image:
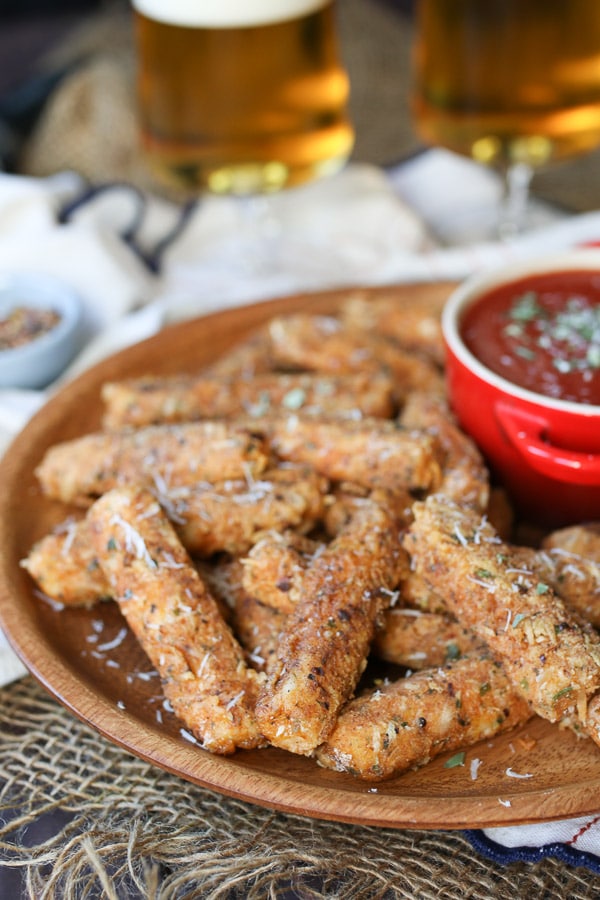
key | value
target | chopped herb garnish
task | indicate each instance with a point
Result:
(452, 651)
(541, 588)
(457, 760)
(562, 693)
(526, 308)
(518, 618)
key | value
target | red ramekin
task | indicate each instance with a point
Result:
(545, 452)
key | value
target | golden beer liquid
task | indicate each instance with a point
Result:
(508, 81)
(242, 109)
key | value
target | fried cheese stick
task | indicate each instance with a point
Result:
(552, 660)
(65, 567)
(324, 344)
(273, 570)
(418, 640)
(404, 724)
(175, 619)
(374, 453)
(324, 647)
(415, 326)
(231, 516)
(145, 401)
(82, 469)
(465, 477)
(256, 626)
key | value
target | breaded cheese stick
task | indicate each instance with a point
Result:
(247, 358)
(65, 567)
(230, 516)
(465, 477)
(404, 724)
(324, 647)
(324, 344)
(151, 400)
(415, 326)
(175, 619)
(552, 660)
(573, 556)
(419, 640)
(82, 469)
(273, 570)
(257, 626)
(374, 453)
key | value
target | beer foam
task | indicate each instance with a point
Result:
(226, 13)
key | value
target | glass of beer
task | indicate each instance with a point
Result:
(240, 96)
(511, 83)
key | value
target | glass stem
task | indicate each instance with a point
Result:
(513, 212)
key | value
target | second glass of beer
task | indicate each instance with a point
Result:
(240, 96)
(512, 83)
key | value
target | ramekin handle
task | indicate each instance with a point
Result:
(526, 431)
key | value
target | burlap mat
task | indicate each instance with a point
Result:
(83, 818)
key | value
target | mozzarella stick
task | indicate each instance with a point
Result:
(464, 477)
(552, 660)
(418, 640)
(324, 647)
(145, 401)
(325, 344)
(247, 358)
(82, 469)
(65, 567)
(274, 568)
(415, 326)
(573, 555)
(404, 724)
(231, 516)
(256, 626)
(175, 619)
(373, 453)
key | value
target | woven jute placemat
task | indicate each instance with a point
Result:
(84, 819)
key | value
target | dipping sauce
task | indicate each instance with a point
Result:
(541, 333)
(24, 324)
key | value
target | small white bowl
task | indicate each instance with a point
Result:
(41, 360)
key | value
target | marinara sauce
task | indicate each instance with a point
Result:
(542, 333)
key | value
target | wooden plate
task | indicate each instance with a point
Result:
(89, 662)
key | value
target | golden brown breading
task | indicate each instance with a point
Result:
(324, 647)
(248, 357)
(145, 401)
(274, 568)
(551, 659)
(65, 567)
(256, 626)
(230, 516)
(325, 344)
(581, 540)
(415, 326)
(374, 453)
(418, 640)
(175, 619)
(593, 723)
(404, 724)
(465, 477)
(80, 470)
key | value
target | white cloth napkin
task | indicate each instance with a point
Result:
(364, 226)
